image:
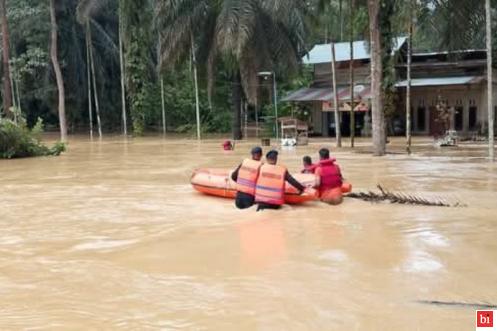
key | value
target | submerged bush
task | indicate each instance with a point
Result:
(17, 140)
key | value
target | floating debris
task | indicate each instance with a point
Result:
(403, 198)
(459, 304)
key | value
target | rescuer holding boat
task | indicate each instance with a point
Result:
(245, 177)
(270, 188)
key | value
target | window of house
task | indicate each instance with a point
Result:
(495, 117)
(473, 112)
(421, 118)
(458, 117)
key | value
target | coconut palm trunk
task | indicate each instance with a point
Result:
(236, 95)
(408, 86)
(88, 73)
(195, 81)
(351, 73)
(121, 67)
(378, 116)
(18, 94)
(95, 90)
(58, 72)
(163, 106)
(490, 102)
(7, 86)
(338, 131)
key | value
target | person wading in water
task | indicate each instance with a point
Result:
(270, 188)
(330, 178)
(245, 177)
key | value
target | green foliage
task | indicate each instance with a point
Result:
(16, 140)
(230, 37)
(179, 93)
(137, 44)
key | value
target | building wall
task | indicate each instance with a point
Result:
(484, 113)
(462, 97)
(317, 118)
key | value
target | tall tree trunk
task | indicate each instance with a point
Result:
(163, 105)
(95, 89)
(7, 88)
(245, 119)
(490, 103)
(88, 72)
(256, 106)
(408, 87)
(58, 73)
(351, 72)
(195, 80)
(340, 10)
(121, 67)
(338, 131)
(18, 94)
(236, 95)
(378, 116)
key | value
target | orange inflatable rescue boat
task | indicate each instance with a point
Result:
(218, 182)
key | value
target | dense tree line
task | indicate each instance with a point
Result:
(141, 65)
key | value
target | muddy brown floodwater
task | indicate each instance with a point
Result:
(111, 236)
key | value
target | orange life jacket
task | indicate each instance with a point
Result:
(247, 176)
(270, 187)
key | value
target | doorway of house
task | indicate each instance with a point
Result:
(437, 127)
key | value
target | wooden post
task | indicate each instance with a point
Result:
(490, 96)
(408, 87)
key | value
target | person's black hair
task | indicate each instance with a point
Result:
(272, 155)
(324, 153)
(256, 151)
(307, 159)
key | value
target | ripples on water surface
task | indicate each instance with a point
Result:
(111, 236)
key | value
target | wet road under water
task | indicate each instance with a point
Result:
(111, 236)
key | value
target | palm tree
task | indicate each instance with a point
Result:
(325, 8)
(490, 102)
(338, 132)
(85, 12)
(121, 69)
(248, 36)
(408, 87)
(7, 89)
(378, 117)
(58, 72)
(351, 73)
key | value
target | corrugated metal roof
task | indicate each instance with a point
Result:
(322, 53)
(361, 92)
(462, 51)
(463, 80)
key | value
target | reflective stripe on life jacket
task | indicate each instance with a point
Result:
(247, 176)
(270, 187)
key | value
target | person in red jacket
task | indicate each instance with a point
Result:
(330, 178)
